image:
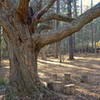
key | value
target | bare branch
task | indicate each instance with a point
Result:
(36, 5)
(6, 5)
(22, 9)
(38, 15)
(45, 9)
(44, 27)
(72, 27)
(6, 26)
(57, 17)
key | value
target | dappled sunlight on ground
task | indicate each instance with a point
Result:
(4, 71)
(82, 65)
(87, 92)
(65, 65)
(87, 65)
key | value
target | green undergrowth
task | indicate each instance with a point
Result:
(3, 82)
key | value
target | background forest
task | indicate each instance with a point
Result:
(85, 41)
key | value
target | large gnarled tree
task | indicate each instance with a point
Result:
(25, 41)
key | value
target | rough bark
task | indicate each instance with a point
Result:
(22, 10)
(23, 67)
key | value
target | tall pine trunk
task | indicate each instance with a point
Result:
(71, 45)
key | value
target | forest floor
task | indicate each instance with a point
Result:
(82, 65)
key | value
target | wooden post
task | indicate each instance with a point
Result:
(67, 77)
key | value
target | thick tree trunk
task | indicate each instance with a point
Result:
(23, 52)
(23, 72)
(24, 81)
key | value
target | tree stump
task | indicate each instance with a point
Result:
(67, 78)
(69, 89)
(2, 97)
(44, 84)
(54, 77)
(55, 86)
(84, 78)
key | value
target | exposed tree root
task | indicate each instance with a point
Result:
(42, 93)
